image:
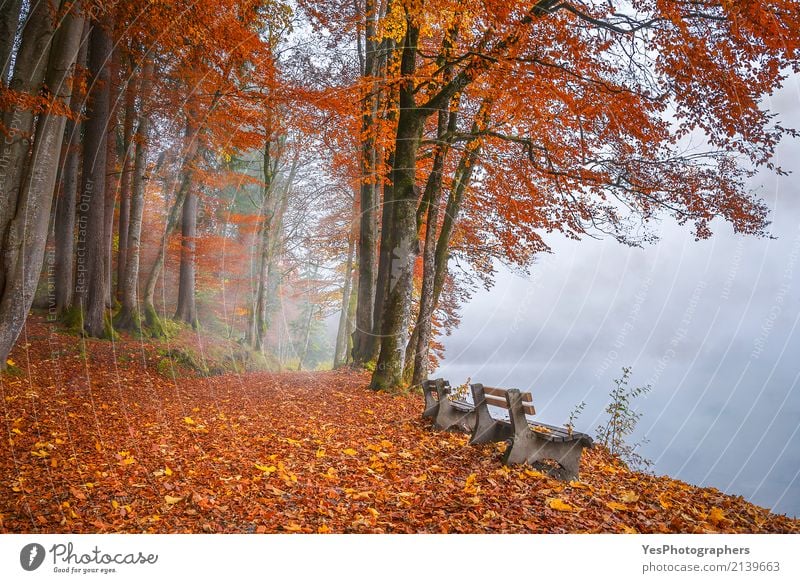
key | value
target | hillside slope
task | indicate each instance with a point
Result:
(100, 440)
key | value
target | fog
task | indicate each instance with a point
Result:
(711, 325)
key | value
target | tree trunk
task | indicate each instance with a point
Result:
(367, 195)
(258, 323)
(416, 359)
(126, 178)
(91, 288)
(187, 309)
(191, 155)
(112, 180)
(129, 317)
(25, 235)
(67, 192)
(351, 318)
(436, 258)
(340, 350)
(29, 71)
(404, 244)
(9, 21)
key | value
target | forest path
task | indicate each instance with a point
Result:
(101, 441)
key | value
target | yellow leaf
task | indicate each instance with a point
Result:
(40, 453)
(172, 499)
(17, 431)
(616, 506)
(293, 527)
(320, 452)
(350, 451)
(167, 471)
(629, 496)
(469, 485)
(10, 362)
(629, 530)
(560, 505)
(265, 469)
(716, 515)
(664, 501)
(188, 420)
(323, 529)
(374, 512)
(534, 474)
(330, 474)
(579, 485)
(293, 441)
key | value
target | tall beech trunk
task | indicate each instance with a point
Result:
(126, 177)
(25, 224)
(29, 71)
(91, 287)
(437, 254)
(258, 323)
(350, 322)
(128, 316)
(362, 342)
(404, 247)
(9, 21)
(416, 360)
(384, 265)
(112, 182)
(187, 309)
(340, 350)
(172, 221)
(67, 192)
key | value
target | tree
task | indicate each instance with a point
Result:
(91, 282)
(578, 95)
(30, 179)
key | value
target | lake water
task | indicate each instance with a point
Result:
(711, 325)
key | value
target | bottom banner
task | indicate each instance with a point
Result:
(121, 558)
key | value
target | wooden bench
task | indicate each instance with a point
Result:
(447, 413)
(529, 442)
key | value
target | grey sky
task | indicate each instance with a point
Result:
(712, 325)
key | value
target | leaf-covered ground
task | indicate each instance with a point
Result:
(101, 440)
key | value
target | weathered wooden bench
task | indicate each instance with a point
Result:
(447, 413)
(529, 442)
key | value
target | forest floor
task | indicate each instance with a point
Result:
(97, 438)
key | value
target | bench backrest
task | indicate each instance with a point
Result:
(497, 398)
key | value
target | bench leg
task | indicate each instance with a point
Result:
(448, 417)
(527, 447)
(531, 449)
(431, 404)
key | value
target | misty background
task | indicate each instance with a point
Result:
(711, 325)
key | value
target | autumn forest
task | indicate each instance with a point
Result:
(193, 194)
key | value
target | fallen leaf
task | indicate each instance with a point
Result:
(560, 505)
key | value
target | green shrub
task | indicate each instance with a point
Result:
(622, 420)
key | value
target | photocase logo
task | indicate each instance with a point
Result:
(31, 556)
